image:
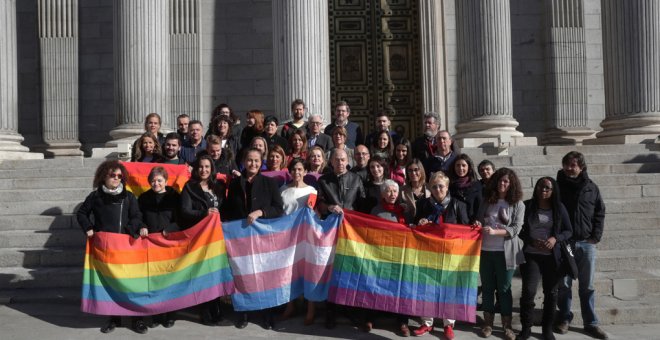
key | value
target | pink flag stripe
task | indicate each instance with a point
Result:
(274, 242)
(401, 305)
(265, 262)
(253, 283)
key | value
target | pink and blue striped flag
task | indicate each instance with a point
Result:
(277, 260)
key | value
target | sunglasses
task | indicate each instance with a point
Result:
(117, 176)
(437, 186)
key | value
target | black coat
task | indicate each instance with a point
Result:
(561, 229)
(160, 211)
(265, 196)
(324, 141)
(421, 149)
(455, 213)
(471, 196)
(110, 213)
(276, 140)
(344, 191)
(584, 204)
(195, 205)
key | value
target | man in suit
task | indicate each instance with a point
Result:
(354, 131)
(314, 135)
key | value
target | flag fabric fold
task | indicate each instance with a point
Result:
(152, 275)
(428, 271)
(276, 260)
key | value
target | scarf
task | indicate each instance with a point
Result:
(437, 216)
(397, 210)
(462, 183)
(113, 192)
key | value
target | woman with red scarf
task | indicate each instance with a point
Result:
(389, 209)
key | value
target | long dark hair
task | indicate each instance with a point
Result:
(196, 166)
(472, 175)
(514, 194)
(555, 199)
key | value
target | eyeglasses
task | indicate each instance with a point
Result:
(438, 186)
(117, 176)
(544, 188)
(315, 123)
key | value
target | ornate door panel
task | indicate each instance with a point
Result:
(374, 60)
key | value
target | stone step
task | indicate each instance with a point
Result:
(48, 173)
(630, 239)
(627, 221)
(632, 205)
(49, 208)
(50, 163)
(38, 222)
(63, 194)
(29, 278)
(45, 239)
(626, 259)
(47, 183)
(40, 257)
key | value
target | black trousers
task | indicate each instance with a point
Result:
(538, 268)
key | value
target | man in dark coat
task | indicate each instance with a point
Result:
(354, 131)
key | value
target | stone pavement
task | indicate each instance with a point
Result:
(65, 321)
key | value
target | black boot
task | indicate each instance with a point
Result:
(139, 326)
(242, 321)
(168, 320)
(524, 334)
(111, 324)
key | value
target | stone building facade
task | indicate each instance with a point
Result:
(77, 74)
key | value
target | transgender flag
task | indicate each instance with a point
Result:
(276, 260)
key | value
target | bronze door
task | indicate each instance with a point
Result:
(374, 61)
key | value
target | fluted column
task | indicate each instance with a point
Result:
(566, 75)
(301, 56)
(484, 63)
(432, 56)
(58, 42)
(10, 139)
(631, 59)
(142, 64)
(185, 58)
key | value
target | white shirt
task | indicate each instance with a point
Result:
(295, 198)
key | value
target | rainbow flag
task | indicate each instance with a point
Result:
(138, 173)
(276, 260)
(428, 271)
(152, 275)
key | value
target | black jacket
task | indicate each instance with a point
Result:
(561, 230)
(276, 140)
(584, 204)
(160, 211)
(471, 196)
(421, 150)
(265, 196)
(195, 205)
(111, 213)
(344, 191)
(455, 213)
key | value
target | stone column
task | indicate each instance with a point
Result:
(432, 56)
(301, 56)
(58, 43)
(484, 68)
(10, 139)
(142, 64)
(631, 59)
(566, 75)
(185, 58)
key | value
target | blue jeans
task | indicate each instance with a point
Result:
(585, 257)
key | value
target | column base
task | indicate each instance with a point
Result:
(623, 139)
(487, 128)
(567, 136)
(633, 129)
(11, 148)
(126, 131)
(61, 150)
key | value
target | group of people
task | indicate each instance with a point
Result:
(427, 181)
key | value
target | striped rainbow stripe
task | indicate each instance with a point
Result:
(147, 276)
(428, 271)
(276, 260)
(138, 173)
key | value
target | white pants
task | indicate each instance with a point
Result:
(445, 322)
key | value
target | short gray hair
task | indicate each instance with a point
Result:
(315, 115)
(433, 115)
(386, 184)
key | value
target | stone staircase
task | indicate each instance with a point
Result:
(42, 246)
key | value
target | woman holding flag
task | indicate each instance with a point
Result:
(108, 204)
(439, 208)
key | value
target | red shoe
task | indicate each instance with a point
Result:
(423, 330)
(449, 332)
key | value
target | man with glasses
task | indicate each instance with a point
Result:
(353, 130)
(315, 136)
(361, 155)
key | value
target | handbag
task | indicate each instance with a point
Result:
(568, 264)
